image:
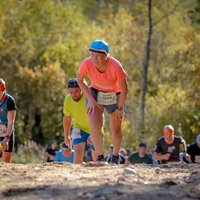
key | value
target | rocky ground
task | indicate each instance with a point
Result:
(103, 182)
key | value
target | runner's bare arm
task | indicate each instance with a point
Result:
(84, 87)
(158, 156)
(91, 101)
(124, 90)
(67, 125)
(11, 119)
(184, 148)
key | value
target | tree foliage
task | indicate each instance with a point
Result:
(43, 42)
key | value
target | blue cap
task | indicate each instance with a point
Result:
(99, 46)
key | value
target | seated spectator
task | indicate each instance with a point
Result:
(167, 147)
(60, 157)
(123, 152)
(140, 156)
(51, 151)
(108, 158)
(128, 152)
(194, 151)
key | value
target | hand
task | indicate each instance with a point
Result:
(67, 151)
(89, 140)
(91, 106)
(166, 156)
(187, 156)
(4, 144)
(119, 114)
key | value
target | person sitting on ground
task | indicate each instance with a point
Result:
(128, 152)
(194, 151)
(60, 157)
(167, 147)
(51, 151)
(140, 156)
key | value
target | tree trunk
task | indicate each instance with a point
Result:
(145, 67)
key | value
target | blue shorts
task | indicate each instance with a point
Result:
(110, 108)
(84, 138)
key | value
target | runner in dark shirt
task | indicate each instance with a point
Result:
(194, 151)
(7, 119)
(167, 147)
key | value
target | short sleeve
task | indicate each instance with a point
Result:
(11, 105)
(66, 107)
(121, 73)
(181, 140)
(83, 68)
(158, 147)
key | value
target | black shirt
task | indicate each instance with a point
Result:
(193, 150)
(162, 147)
(52, 152)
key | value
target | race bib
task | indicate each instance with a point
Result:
(3, 130)
(106, 98)
(76, 133)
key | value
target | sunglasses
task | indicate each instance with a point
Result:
(168, 131)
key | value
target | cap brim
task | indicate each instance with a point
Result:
(98, 51)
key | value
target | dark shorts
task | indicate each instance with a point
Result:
(110, 108)
(10, 143)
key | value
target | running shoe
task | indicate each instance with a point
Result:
(101, 158)
(115, 159)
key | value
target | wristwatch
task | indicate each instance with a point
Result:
(8, 137)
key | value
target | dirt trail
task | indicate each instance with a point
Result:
(88, 181)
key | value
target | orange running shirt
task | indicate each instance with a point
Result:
(107, 81)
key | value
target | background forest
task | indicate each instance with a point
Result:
(43, 42)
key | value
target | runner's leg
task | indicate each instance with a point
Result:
(79, 150)
(94, 155)
(116, 135)
(6, 157)
(96, 123)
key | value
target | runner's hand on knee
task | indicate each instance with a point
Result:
(4, 144)
(91, 106)
(119, 114)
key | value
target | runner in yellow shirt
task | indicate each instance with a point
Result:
(75, 116)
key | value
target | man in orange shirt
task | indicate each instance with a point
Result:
(108, 90)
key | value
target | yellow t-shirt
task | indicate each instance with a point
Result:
(77, 110)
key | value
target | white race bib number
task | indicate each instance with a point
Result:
(3, 130)
(76, 133)
(106, 98)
